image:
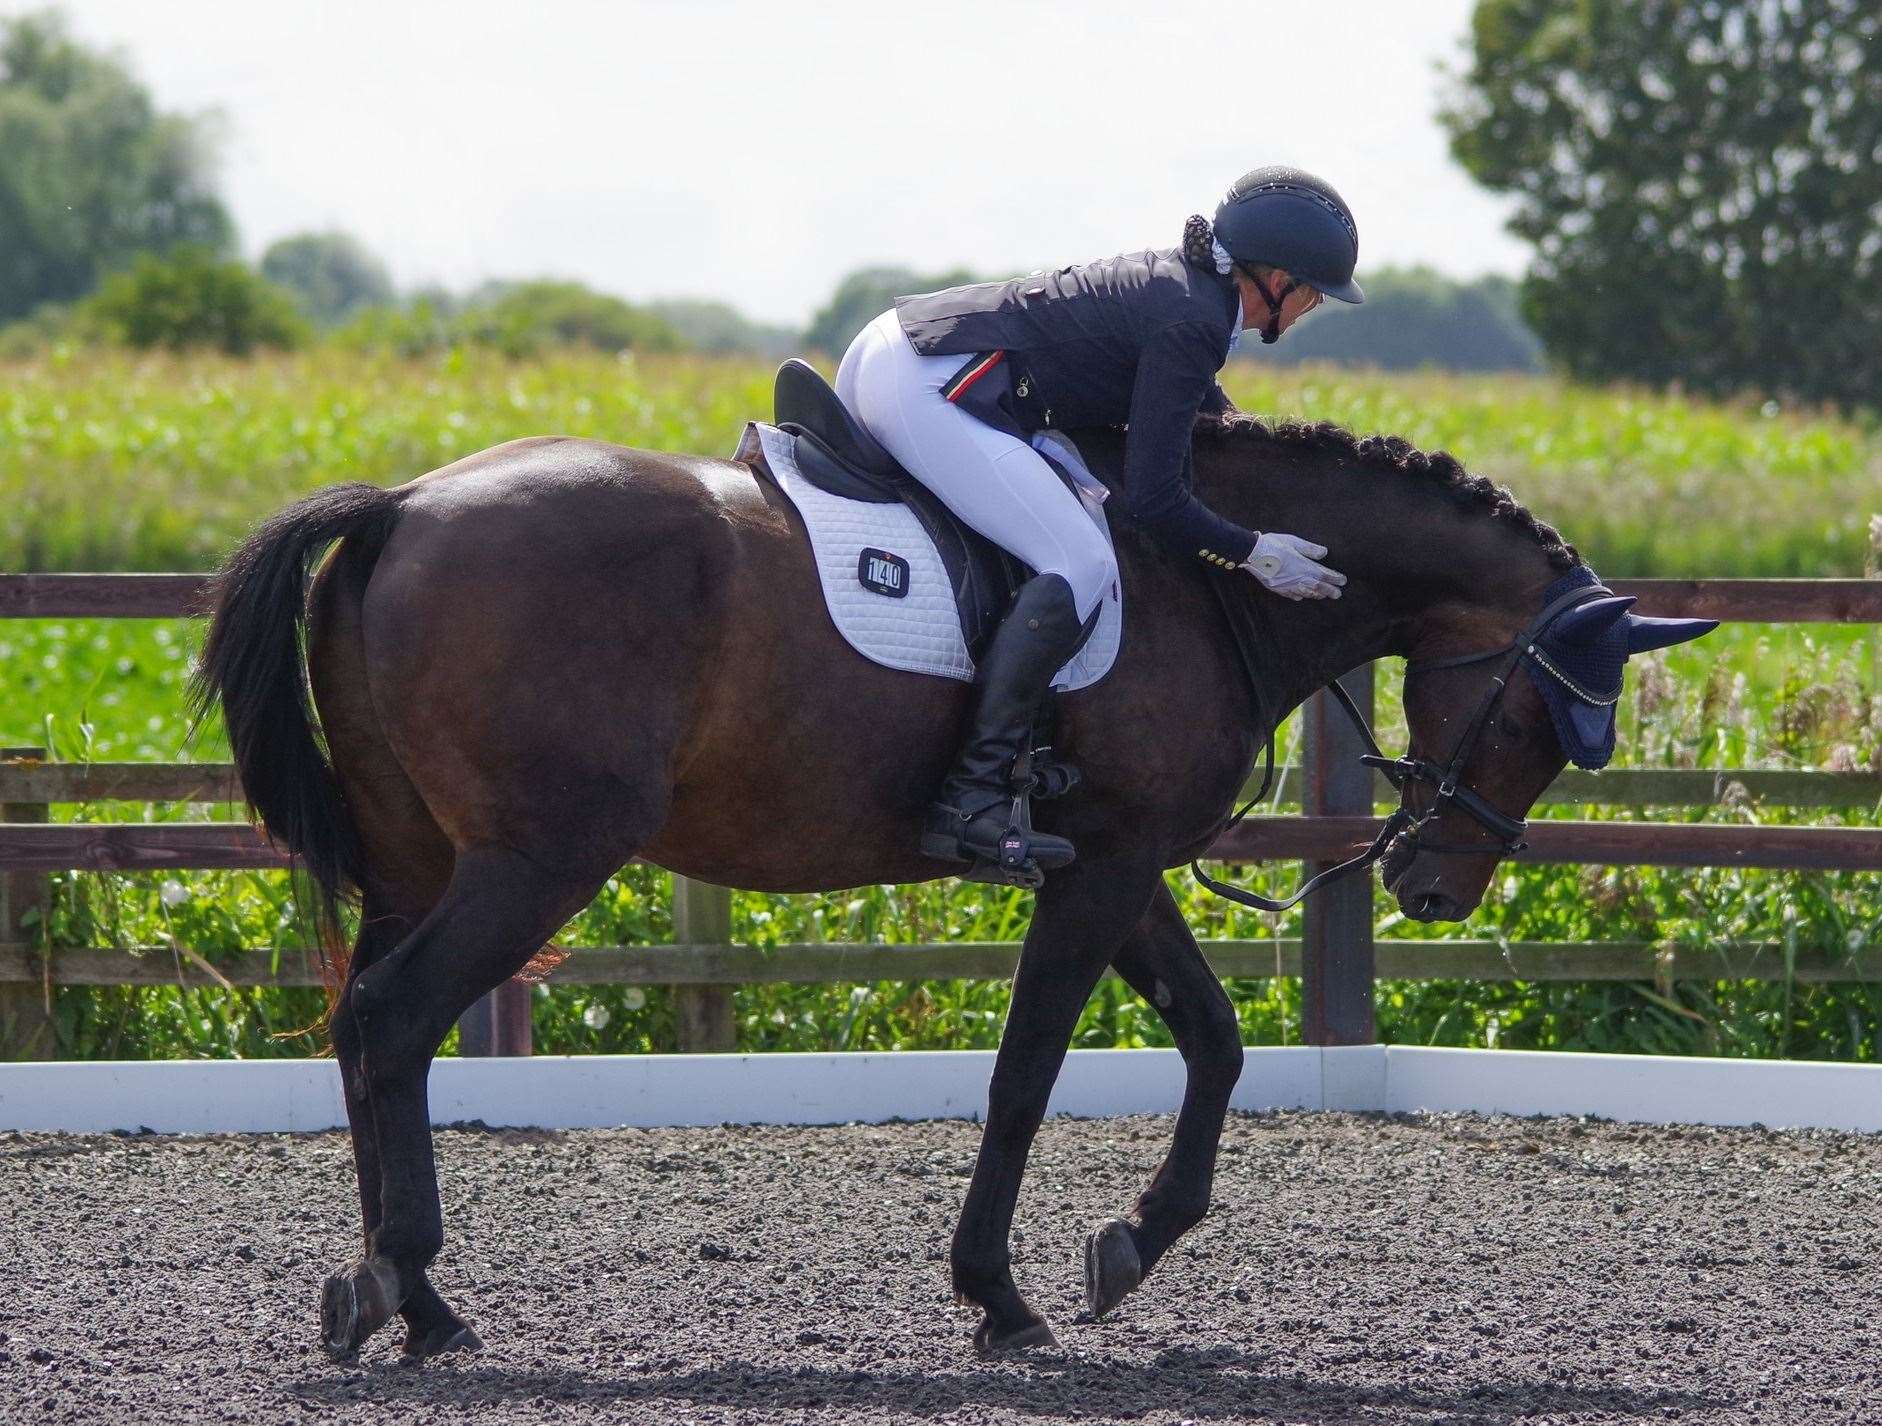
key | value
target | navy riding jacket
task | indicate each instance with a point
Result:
(1136, 339)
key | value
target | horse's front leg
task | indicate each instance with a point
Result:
(1161, 962)
(1083, 912)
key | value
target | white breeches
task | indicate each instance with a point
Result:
(1000, 486)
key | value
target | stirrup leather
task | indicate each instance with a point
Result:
(1052, 778)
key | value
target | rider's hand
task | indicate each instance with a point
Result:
(1287, 565)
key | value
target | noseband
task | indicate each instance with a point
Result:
(1509, 831)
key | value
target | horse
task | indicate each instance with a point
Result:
(468, 700)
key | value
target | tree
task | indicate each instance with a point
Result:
(90, 173)
(864, 295)
(1413, 317)
(522, 317)
(519, 319)
(193, 298)
(710, 326)
(1702, 180)
(425, 322)
(332, 274)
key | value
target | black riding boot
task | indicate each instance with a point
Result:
(973, 819)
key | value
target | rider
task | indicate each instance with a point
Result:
(1134, 339)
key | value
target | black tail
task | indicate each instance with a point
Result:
(254, 664)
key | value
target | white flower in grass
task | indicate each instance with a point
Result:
(173, 893)
(634, 998)
(596, 1017)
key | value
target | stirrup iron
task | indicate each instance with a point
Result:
(1016, 866)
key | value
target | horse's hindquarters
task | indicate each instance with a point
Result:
(566, 640)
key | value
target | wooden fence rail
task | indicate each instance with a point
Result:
(215, 784)
(1751, 601)
(833, 962)
(236, 846)
(1336, 957)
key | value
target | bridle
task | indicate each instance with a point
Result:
(1447, 778)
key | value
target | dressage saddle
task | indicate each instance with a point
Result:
(834, 452)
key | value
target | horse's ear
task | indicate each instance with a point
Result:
(1587, 622)
(1644, 633)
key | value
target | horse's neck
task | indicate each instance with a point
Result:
(1426, 574)
(1423, 577)
(1304, 646)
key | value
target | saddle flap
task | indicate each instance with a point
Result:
(834, 452)
(889, 568)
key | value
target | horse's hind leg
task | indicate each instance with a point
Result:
(407, 862)
(500, 907)
(431, 1326)
(1161, 962)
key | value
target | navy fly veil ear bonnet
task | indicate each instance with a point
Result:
(1580, 681)
(1578, 661)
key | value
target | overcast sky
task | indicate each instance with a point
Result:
(757, 151)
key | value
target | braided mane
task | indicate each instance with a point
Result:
(1394, 453)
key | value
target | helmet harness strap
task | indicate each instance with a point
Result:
(1271, 329)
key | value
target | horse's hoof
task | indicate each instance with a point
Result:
(989, 1343)
(436, 1342)
(354, 1305)
(1112, 1267)
(339, 1319)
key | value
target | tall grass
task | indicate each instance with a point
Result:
(115, 461)
(162, 463)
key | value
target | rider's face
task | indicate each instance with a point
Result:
(1297, 304)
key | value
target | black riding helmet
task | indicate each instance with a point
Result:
(1289, 219)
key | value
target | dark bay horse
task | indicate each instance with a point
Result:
(556, 655)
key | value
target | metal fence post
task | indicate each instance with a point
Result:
(1336, 960)
(26, 1025)
(702, 916)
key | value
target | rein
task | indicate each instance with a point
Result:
(1510, 831)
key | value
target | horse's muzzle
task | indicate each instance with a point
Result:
(1397, 861)
(1433, 904)
(1421, 893)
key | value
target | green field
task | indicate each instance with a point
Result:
(115, 462)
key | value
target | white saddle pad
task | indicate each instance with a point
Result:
(918, 629)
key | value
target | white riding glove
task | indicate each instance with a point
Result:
(1287, 565)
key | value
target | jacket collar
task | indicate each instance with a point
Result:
(1225, 284)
